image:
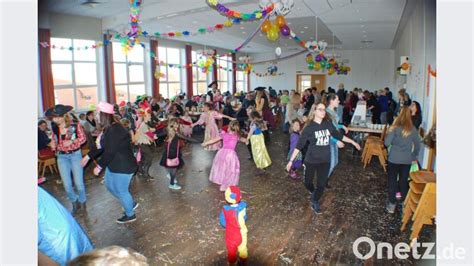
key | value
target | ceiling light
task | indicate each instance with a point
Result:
(301, 32)
(288, 23)
(168, 27)
(195, 22)
(305, 27)
(242, 28)
(362, 26)
(243, 32)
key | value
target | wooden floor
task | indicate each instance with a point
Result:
(182, 227)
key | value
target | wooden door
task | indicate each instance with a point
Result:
(318, 81)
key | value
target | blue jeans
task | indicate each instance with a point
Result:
(68, 163)
(334, 156)
(118, 185)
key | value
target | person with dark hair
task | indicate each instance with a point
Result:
(255, 137)
(115, 146)
(415, 110)
(228, 110)
(383, 105)
(68, 138)
(316, 136)
(374, 108)
(212, 91)
(341, 94)
(43, 139)
(331, 90)
(308, 100)
(273, 92)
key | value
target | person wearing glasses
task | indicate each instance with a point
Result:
(316, 136)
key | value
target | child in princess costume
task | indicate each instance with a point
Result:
(233, 219)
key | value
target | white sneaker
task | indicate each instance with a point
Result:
(175, 186)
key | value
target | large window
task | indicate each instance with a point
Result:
(241, 81)
(200, 79)
(223, 76)
(170, 83)
(74, 67)
(129, 73)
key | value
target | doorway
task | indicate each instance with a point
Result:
(304, 82)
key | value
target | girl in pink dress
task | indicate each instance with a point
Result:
(185, 129)
(225, 169)
(209, 117)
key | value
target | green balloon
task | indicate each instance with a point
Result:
(328, 66)
(323, 64)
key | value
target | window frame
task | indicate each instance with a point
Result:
(166, 82)
(73, 84)
(128, 63)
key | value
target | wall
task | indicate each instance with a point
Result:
(417, 40)
(370, 69)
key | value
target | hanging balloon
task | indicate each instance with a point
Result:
(331, 71)
(285, 30)
(336, 66)
(318, 58)
(329, 66)
(323, 64)
(317, 66)
(278, 51)
(280, 21)
(309, 58)
(273, 34)
(266, 26)
(311, 65)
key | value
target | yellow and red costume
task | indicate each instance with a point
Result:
(233, 219)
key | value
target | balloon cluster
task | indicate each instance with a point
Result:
(246, 67)
(158, 74)
(239, 16)
(273, 30)
(272, 70)
(320, 62)
(206, 64)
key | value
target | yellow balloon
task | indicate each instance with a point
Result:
(317, 66)
(273, 35)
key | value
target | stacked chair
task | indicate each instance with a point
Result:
(420, 203)
(374, 146)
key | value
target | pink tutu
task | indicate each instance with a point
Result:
(225, 169)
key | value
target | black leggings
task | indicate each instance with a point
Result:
(249, 147)
(401, 171)
(322, 171)
(172, 172)
(146, 160)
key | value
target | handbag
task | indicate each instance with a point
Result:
(172, 162)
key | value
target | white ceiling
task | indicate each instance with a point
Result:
(349, 22)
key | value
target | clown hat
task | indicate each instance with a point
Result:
(232, 195)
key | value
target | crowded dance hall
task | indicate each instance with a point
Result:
(212, 132)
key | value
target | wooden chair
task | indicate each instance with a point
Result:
(376, 149)
(420, 202)
(47, 161)
(374, 140)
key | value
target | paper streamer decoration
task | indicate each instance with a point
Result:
(252, 35)
(238, 16)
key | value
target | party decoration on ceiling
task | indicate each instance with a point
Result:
(281, 7)
(278, 51)
(206, 64)
(187, 33)
(133, 35)
(321, 63)
(272, 69)
(238, 16)
(246, 67)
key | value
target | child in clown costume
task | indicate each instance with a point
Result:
(233, 219)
